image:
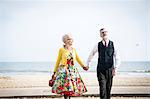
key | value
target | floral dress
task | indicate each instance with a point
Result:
(68, 81)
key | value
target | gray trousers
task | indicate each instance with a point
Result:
(105, 79)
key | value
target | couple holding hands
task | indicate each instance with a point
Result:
(67, 80)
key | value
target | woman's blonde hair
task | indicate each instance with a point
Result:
(64, 38)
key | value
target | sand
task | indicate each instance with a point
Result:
(90, 80)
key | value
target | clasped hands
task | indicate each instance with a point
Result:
(86, 67)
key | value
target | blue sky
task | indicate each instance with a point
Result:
(31, 30)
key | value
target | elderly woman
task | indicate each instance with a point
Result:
(68, 81)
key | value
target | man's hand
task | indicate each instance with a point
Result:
(114, 71)
(86, 68)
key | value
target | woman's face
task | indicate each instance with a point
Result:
(69, 41)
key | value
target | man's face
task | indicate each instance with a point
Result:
(104, 34)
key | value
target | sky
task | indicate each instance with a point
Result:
(32, 30)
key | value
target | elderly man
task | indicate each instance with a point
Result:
(108, 62)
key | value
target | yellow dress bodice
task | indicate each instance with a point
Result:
(63, 55)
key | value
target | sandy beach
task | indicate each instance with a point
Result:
(90, 79)
(41, 81)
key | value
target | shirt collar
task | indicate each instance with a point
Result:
(107, 41)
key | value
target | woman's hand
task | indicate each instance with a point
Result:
(54, 76)
(86, 67)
